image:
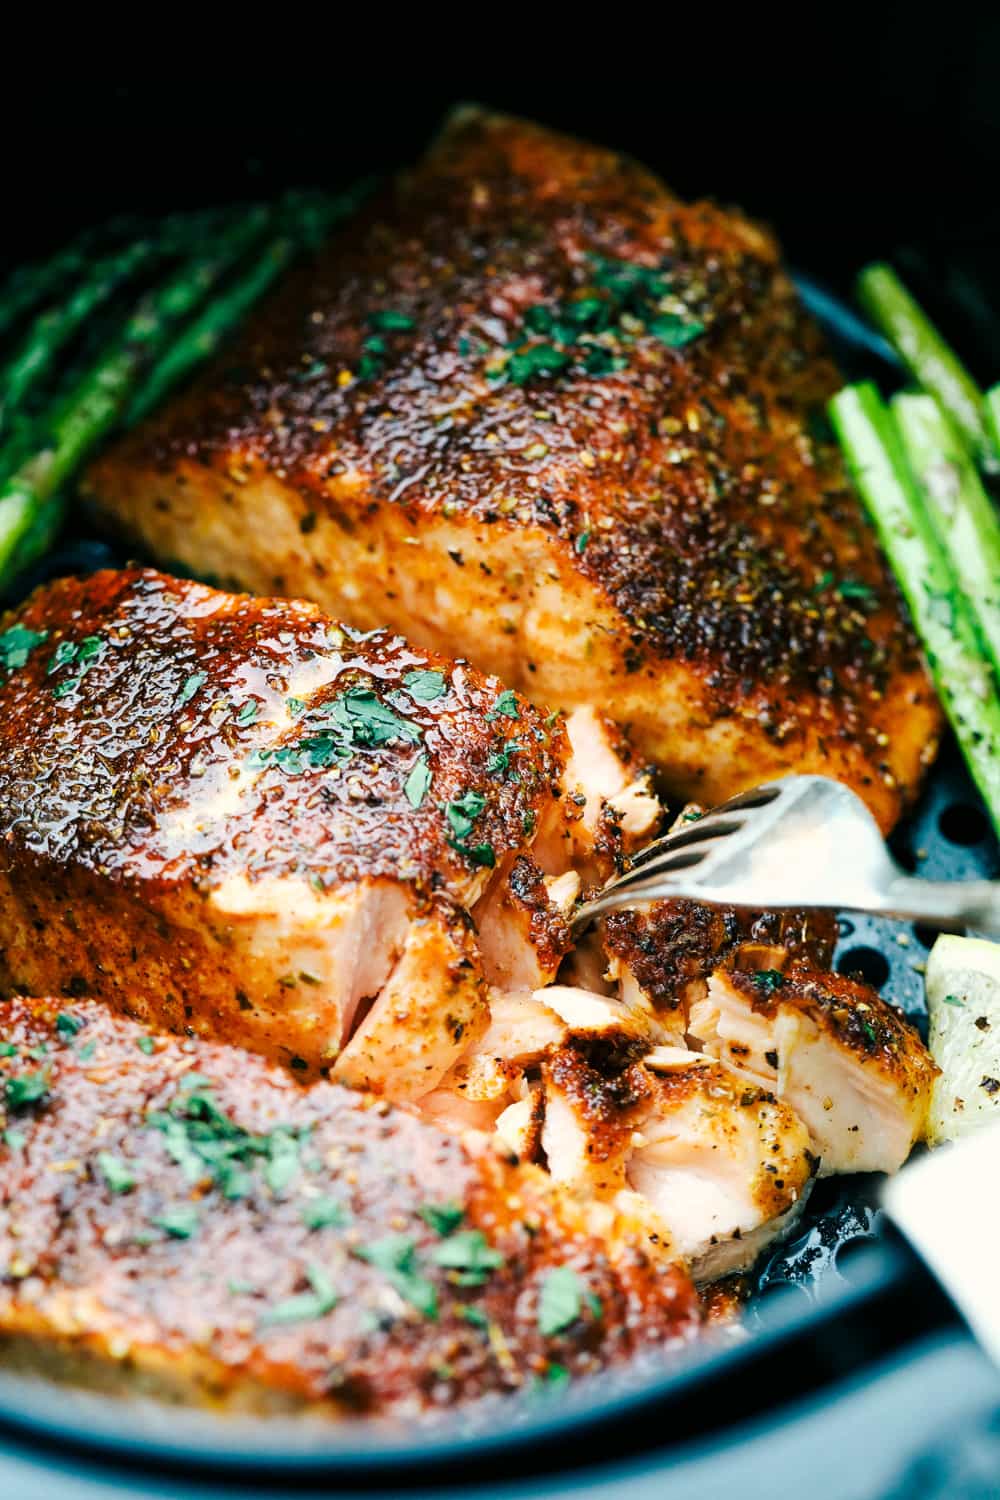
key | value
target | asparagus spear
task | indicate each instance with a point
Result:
(69, 432)
(308, 220)
(203, 336)
(53, 328)
(933, 364)
(963, 678)
(959, 509)
(992, 411)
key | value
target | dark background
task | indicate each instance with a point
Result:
(859, 132)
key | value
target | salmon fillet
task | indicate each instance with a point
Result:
(533, 409)
(229, 816)
(183, 1220)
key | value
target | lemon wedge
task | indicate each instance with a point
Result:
(963, 1000)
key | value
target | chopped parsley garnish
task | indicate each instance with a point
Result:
(81, 654)
(14, 1139)
(357, 719)
(67, 1026)
(469, 1253)
(537, 359)
(768, 980)
(505, 707)
(556, 1378)
(28, 1088)
(388, 320)
(314, 1304)
(395, 1256)
(116, 1173)
(425, 686)
(473, 1315)
(463, 811)
(417, 784)
(86, 1052)
(205, 1142)
(592, 330)
(675, 331)
(146, 1044)
(443, 1218)
(561, 1301)
(16, 644)
(8, 1049)
(248, 712)
(852, 588)
(325, 1213)
(64, 652)
(580, 545)
(954, 1000)
(179, 1223)
(191, 686)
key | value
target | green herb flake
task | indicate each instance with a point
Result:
(28, 1088)
(248, 712)
(395, 1256)
(425, 686)
(537, 359)
(852, 588)
(561, 1301)
(505, 706)
(462, 813)
(67, 1026)
(580, 545)
(473, 1315)
(468, 1252)
(325, 1213)
(768, 980)
(14, 1139)
(307, 1305)
(16, 644)
(417, 784)
(8, 1049)
(675, 331)
(86, 1052)
(65, 687)
(64, 652)
(556, 1378)
(180, 1223)
(443, 1218)
(116, 1173)
(147, 1045)
(954, 1000)
(191, 686)
(388, 320)
(240, 1288)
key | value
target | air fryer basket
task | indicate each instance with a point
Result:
(841, 1288)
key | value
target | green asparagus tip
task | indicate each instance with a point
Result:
(933, 364)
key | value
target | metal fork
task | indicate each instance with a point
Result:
(798, 842)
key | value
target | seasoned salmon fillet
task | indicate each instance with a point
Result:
(183, 1220)
(533, 409)
(229, 816)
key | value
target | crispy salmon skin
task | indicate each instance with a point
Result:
(181, 1219)
(533, 409)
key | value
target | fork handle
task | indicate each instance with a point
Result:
(944, 903)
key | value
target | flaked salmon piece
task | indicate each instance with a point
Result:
(721, 1168)
(532, 408)
(180, 1219)
(848, 1063)
(233, 818)
(663, 955)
